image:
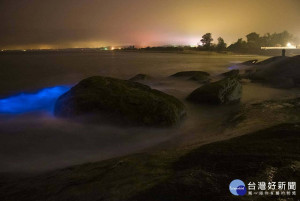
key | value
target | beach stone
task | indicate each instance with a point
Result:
(132, 102)
(227, 90)
(278, 72)
(199, 76)
(231, 73)
(250, 62)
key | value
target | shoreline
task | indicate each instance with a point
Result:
(194, 52)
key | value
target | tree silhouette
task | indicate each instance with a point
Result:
(240, 45)
(252, 37)
(221, 44)
(206, 40)
(253, 43)
(253, 40)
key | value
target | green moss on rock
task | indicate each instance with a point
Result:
(224, 91)
(199, 76)
(131, 102)
(278, 72)
(231, 73)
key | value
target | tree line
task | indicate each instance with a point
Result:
(253, 42)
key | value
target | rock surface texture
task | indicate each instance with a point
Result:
(199, 76)
(130, 102)
(278, 72)
(227, 90)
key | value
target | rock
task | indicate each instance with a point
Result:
(131, 102)
(266, 113)
(199, 76)
(250, 62)
(224, 91)
(271, 154)
(245, 81)
(278, 72)
(199, 172)
(248, 73)
(281, 82)
(271, 60)
(231, 73)
(244, 65)
(140, 77)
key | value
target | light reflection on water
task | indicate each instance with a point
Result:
(42, 100)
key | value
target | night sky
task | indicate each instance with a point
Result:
(29, 24)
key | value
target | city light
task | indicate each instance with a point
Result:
(289, 45)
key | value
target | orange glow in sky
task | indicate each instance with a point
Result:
(59, 24)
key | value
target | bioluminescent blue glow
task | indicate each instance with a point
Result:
(42, 100)
(236, 66)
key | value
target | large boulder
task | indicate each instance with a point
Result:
(224, 91)
(199, 76)
(231, 73)
(279, 72)
(130, 102)
(271, 60)
(244, 65)
(250, 62)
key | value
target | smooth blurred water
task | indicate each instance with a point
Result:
(28, 72)
(33, 140)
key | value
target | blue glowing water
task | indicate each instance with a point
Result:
(42, 100)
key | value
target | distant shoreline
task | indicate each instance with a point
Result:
(96, 50)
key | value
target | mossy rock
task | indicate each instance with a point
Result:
(268, 154)
(227, 90)
(231, 73)
(271, 60)
(140, 77)
(199, 76)
(127, 101)
(250, 62)
(278, 72)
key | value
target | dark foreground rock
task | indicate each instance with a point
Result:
(227, 90)
(203, 173)
(271, 60)
(199, 76)
(244, 65)
(253, 116)
(250, 62)
(140, 77)
(231, 73)
(131, 102)
(279, 72)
